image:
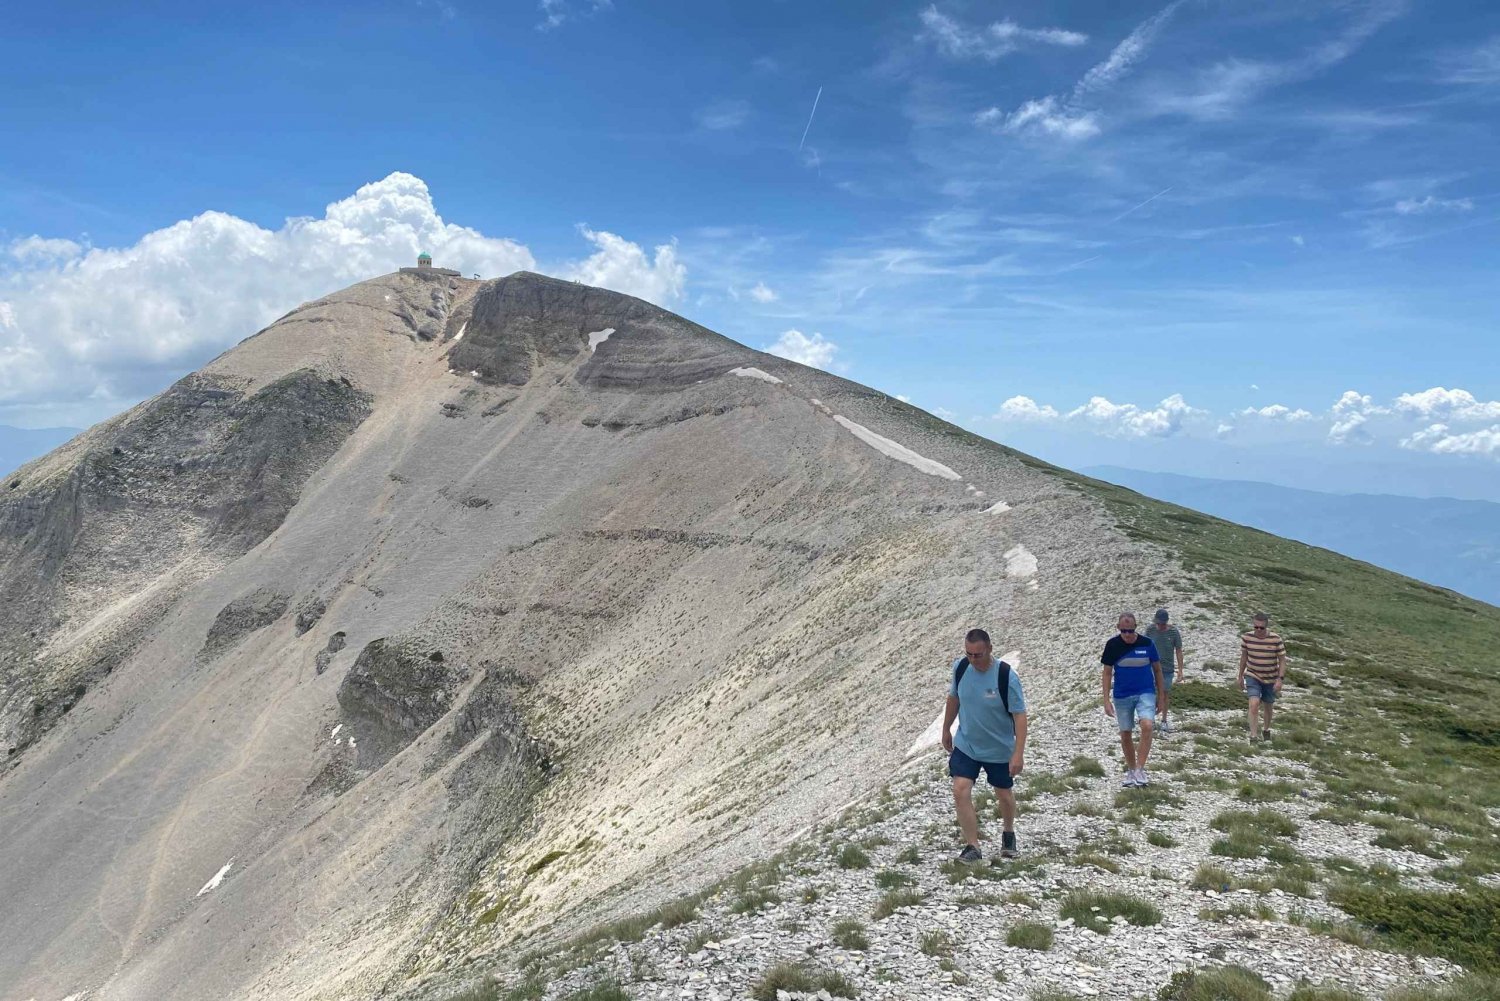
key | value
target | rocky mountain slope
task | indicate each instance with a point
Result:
(445, 619)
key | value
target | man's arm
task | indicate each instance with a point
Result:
(1018, 759)
(1106, 678)
(1280, 665)
(1181, 659)
(950, 713)
(1161, 688)
(1244, 659)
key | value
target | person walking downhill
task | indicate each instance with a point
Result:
(1262, 668)
(985, 696)
(1168, 643)
(1132, 677)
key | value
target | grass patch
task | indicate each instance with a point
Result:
(849, 933)
(1030, 935)
(801, 978)
(1222, 983)
(1310, 992)
(604, 990)
(1085, 767)
(937, 943)
(1475, 987)
(894, 900)
(1268, 792)
(1463, 926)
(1096, 911)
(853, 857)
(1202, 695)
(1160, 839)
(892, 879)
(754, 899)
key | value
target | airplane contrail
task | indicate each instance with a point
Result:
(809, 119)
(1142, 205)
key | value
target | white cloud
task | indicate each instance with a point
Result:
(1350, 414)
(1479, 65)
(1447, 404)
(40, 250)
(1298, 239)
(1024, 408)
(1277, 412)
(1417, 206)
(1129, 421)
(1438, 438)
(762, 293)
(723, 115)
(84, 335)
(556, 13)
(990, 42)
(623, 266)
(1046, 116)
(1126, 54)
(814, 351)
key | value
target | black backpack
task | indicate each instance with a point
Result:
(1003, 680)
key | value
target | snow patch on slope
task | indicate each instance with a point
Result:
(755, 373)
(999, 508)
(213, 884)
(598, 337)
(1019, 562)
(896, 450)
(462, 327)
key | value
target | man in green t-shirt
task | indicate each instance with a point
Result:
(1168, 643)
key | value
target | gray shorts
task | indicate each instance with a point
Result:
(1257, 689)
(1133, 707)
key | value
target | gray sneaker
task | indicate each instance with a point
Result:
(1008, 845)
(970, 854)
(1141, 778)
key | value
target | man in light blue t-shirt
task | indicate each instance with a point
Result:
(985, 695)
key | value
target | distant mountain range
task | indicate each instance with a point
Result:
(1452, 543)
(19, 446)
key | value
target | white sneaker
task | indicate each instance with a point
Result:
(1141, 778)
(1128, 782)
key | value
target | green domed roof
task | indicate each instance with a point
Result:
(424, 255)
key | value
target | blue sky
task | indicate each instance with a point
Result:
(1001, 211)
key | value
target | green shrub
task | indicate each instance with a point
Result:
(1094, 910)
(1475, 987)
(892, 879)
(1202, 695)
(1160, 839)
(800, 978)
(604, 990)
(490, 991)
(1307, 992)
(937, 943)
(1463, 926)
(1223, 983)
(853, 857)
(849, 933)
(1084, 766)
(1030, 935)
(894, 900)
(754, 899)
(677, 912)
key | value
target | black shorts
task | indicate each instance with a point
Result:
(961, 766)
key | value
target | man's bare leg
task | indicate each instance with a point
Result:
(1005, 808)
(1255, 719)
(963, 803)
(1267, 709)
(1127, 744)
(1144, 756)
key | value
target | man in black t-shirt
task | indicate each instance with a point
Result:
(1132, 687)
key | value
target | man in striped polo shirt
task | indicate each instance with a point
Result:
(1262, 668)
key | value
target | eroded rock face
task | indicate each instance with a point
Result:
(158, 497)
(244, 615)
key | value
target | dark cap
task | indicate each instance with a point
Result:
(1161, 615)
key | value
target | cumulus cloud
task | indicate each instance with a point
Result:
(989, 42)
(1447, 404)
(1130, 421)
(85, 331)
(1024, 408)
(1099, 414)
(1277, 412)
(762, 293)
(1431, 203)
(1439, 438)
(1350, 414)
(623, 266)
(814, 351)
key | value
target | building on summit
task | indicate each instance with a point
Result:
(424, 267)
